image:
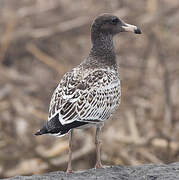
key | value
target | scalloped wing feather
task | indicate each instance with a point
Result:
(90, 96)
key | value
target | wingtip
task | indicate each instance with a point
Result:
(38, 133)
(41, 131)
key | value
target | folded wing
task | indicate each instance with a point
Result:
(86, 97)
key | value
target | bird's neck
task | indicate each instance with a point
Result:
(102, 49)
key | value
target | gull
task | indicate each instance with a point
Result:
(90, 92)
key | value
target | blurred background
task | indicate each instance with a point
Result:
(40, 40)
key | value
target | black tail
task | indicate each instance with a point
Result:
(54, 126)
(41, 131)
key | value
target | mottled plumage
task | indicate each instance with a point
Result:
(90, 93)
(85, 95)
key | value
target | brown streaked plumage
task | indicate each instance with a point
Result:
(90, 93)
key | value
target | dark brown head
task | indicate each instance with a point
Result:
(104, 27)
(110, 24)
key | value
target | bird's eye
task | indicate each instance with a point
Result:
(114, 21)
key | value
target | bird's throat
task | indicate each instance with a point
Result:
(103, 48)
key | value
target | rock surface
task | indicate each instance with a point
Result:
(143, 172)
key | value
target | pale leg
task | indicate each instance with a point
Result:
(98, 148)
(69, 168)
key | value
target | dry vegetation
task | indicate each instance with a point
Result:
(40, 40)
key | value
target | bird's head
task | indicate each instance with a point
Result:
(110, 24)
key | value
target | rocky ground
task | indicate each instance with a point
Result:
(143, 172)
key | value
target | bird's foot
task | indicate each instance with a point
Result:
(69, 170)
(99, 165)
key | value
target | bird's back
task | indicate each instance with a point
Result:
(86, 94)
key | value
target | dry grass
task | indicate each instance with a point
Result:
(40, 40)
